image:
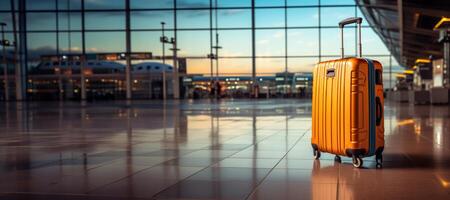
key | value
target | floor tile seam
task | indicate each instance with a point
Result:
(88, 169)
(84, 195)
(125, 177)
(273, 168)
(187, 177)
(247, 134)
(236, 137)
(268, 168)
(103, 164)
(284, 130)
(264, 138)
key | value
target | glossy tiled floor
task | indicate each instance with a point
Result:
(201, 150)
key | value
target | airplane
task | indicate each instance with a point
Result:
(152, 67)
(95, 66)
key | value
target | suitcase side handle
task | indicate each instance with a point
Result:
(351, 20)
(379, 111)
(330, 72)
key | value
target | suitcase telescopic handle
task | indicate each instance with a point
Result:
(351, 20)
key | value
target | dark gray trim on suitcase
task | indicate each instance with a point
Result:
(372, 111)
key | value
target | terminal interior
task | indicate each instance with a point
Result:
(212, 99)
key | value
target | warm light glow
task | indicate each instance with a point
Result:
(414, 67)
(400, 76)
(444, 183)
(417, 129)
(408, 72)
(111, 57)
(68, 72)
(442, 21)
(422, 60)
(88, 72)
(405, 122)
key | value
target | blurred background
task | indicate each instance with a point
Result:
(163, 49)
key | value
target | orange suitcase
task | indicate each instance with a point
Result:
(347, 106)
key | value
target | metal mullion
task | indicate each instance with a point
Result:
(253, 49)
(191, 29)
(240, 7)
(268, 57)
(211, 40)
(285, 47)
(193, 8)
(319, 30)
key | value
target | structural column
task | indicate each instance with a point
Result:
(164, 40)
(128, 51)
(287, 90)
(253, 52)
(211, 61)
(21, 69)
(400, 25)
(445, 39)
(83, 56)
(5, 63)
(60, 70)
(176, 80)
(18, 69)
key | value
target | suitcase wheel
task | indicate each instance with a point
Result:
(337, 159)
(357, 162)
(379, 160)
(316, 154)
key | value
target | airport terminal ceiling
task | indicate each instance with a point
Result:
(406, 26)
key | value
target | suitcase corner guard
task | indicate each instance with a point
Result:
(314, 146)
(361, 152)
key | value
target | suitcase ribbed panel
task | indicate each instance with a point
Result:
(334, 106)
(340, 110)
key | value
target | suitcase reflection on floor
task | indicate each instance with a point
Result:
(327, 183)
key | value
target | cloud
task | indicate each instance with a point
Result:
(315, 16)
(190, 4)
(296, 33)
(99, 4)
(279, 34)
(263, 41)
(230, 12)
(93, 4)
